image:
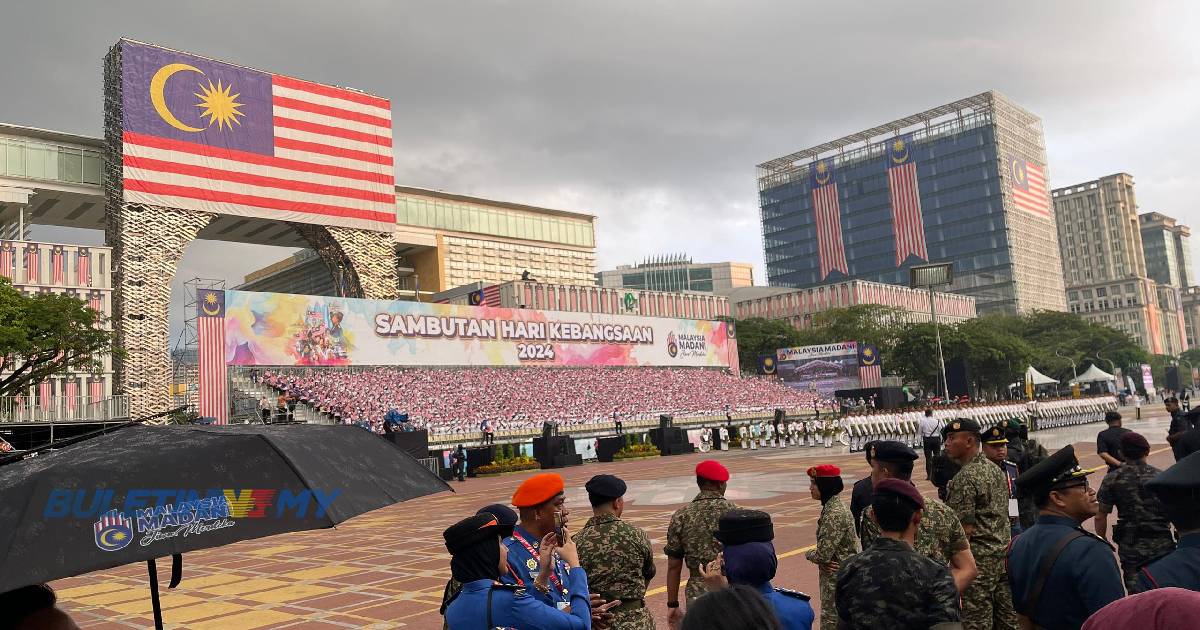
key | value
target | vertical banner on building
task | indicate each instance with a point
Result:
(870, 371)
(827, 213)
(908, 223)
(1148, 380)
(210, 324)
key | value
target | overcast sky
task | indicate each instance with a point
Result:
(652, 116)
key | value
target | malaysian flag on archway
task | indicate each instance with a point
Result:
(210, 325)
(827, 212)
(908, 224)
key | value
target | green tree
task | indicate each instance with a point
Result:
(997, 356)
(864, 323)
(757, 336)
(46, 335)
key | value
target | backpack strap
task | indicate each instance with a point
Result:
(1044, 568)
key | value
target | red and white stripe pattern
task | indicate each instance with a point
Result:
(32, 264)
(213, 379)
(58, 268)
(7, 260)
(332, 164)
(831, 251)
(908, 224)
(94, 302)
(83, 267)
(871, 376)
(1032, 194)
(72, 393)
(96, 389)
(45, 393)
(491, 295)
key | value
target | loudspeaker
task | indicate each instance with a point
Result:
(890, 398)
(958, 377)
(606, 447)
(671, 441)
(555, 451)
(477, 457)
(549, 428)
(665, 421)
(1173, 377)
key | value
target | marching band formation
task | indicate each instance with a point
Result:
(859, 427)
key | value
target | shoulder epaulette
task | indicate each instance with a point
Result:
(516, 589)
(790, 593)
(1096, 538)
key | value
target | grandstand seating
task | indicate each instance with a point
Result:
(458, 400)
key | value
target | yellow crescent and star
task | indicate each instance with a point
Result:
(1018, 173)
(899, 151)
(217, 104)
(823, 173)
(112, 538)
(210, 300)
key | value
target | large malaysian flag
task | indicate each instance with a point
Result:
(205, 135)
(1028, 184)
(827, 215)
(908, 223)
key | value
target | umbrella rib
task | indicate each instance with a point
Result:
(287, 460)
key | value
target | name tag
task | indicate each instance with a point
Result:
(1013, 510)
(564, 606)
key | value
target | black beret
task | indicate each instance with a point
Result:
(995, 435)
(605, 486)
(470, 531)
(893, 451)
(505, 515)
(1184, 475)
(739, 526)
(960, 425)
(899, 488)
(1060, 470)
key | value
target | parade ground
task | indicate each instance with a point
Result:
(388, 568)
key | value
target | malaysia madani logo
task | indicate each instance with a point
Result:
(114, 531)
(672, 346)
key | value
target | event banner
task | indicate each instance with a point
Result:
(823, 369)
(285, 329)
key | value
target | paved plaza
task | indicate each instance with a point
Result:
(387, 569)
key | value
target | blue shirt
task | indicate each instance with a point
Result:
(1084, 578)
(1179, 568)
(523, 569)
(794, 613)
(516, 609)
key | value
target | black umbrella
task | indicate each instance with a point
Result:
(146, 492)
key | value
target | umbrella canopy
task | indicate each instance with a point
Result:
(1094, 375)
(146, 492)
(1038, 377)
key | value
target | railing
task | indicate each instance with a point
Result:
(431, 463)
(28, 409)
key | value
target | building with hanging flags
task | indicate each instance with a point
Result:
(965, 183)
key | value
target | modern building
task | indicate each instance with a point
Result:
(1167, 251)
(564, 297)
(799, 306)
(1106, 272)
(965, 183)
(1190, 300)
(678, 273)
(1153, 314)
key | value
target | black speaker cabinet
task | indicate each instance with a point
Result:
(891, 398)
(958, 376)
(606, 447)
(555, 451)
(415, 443)
(1173, 378)
(481, 456)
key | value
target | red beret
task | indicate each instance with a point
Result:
(824, 470)
(537, 490)
(712, 470)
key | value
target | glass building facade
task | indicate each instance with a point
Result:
(960, 152)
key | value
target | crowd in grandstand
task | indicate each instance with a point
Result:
(458, 400)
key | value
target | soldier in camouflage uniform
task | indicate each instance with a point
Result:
(940, 536)
(978, 494)
(1142, 532)
(690, 535)
(836, 539)
(890, 585)
(616, 555)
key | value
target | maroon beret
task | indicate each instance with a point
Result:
(900, 488)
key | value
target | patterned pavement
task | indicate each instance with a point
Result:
(387, 569)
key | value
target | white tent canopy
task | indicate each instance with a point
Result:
(1093, 375)
(1038, 377)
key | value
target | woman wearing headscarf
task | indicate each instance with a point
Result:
(836, 539)
(478, 559)
(748, 558)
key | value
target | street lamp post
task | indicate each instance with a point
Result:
(927, 277)
(1074, 372)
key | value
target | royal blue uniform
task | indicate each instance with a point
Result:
(1083, 579)
(523, 570)
(792, 608)
(1179, 568)
(514, 607)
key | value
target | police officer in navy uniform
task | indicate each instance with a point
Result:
(1060, 573)
(479, 559)
(1178, 488)
(995, 448)
(748, 558)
